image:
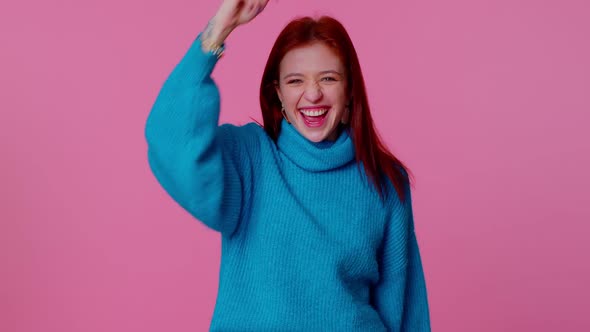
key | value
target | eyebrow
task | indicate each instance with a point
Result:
(321, 73)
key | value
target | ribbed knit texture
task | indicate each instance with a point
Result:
(307, 244)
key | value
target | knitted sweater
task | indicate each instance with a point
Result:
(307, 243)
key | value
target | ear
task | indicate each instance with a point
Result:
(278, 90)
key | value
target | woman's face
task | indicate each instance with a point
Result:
(312, 89)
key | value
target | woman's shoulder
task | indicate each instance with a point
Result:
(399, 196)
(250, 136)
(248, 131)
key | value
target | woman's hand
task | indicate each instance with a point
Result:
(230, 15)
(233, 13)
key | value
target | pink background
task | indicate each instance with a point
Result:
(486, 101)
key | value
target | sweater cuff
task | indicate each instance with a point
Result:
(196, 65)
(211, 56)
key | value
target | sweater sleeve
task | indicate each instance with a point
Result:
(400, 296)
(199, 163)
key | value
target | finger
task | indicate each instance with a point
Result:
(253, 7)
(261, 5)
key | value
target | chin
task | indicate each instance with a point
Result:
(318, 136)
(315, 138)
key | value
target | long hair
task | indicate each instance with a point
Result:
(379, 163)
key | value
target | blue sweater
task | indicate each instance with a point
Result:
(307, 244)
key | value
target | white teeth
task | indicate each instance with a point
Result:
(315, 113)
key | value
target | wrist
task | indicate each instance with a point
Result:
(221, 25)
(223, 22)
(213, 37)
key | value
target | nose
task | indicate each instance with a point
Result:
(313, 92)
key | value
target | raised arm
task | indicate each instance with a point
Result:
(203, 166)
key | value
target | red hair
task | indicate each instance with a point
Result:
(379, 163)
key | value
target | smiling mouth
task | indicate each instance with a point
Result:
(314, 117)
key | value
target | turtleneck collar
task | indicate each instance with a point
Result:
(315, 157)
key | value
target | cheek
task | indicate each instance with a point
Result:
(338, 97)
(291, 99)
(287, 94)
(337, 94)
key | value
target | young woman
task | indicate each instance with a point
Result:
(314, 212)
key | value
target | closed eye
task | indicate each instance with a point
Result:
(293, 81)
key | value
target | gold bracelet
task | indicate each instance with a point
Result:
(214, 48)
